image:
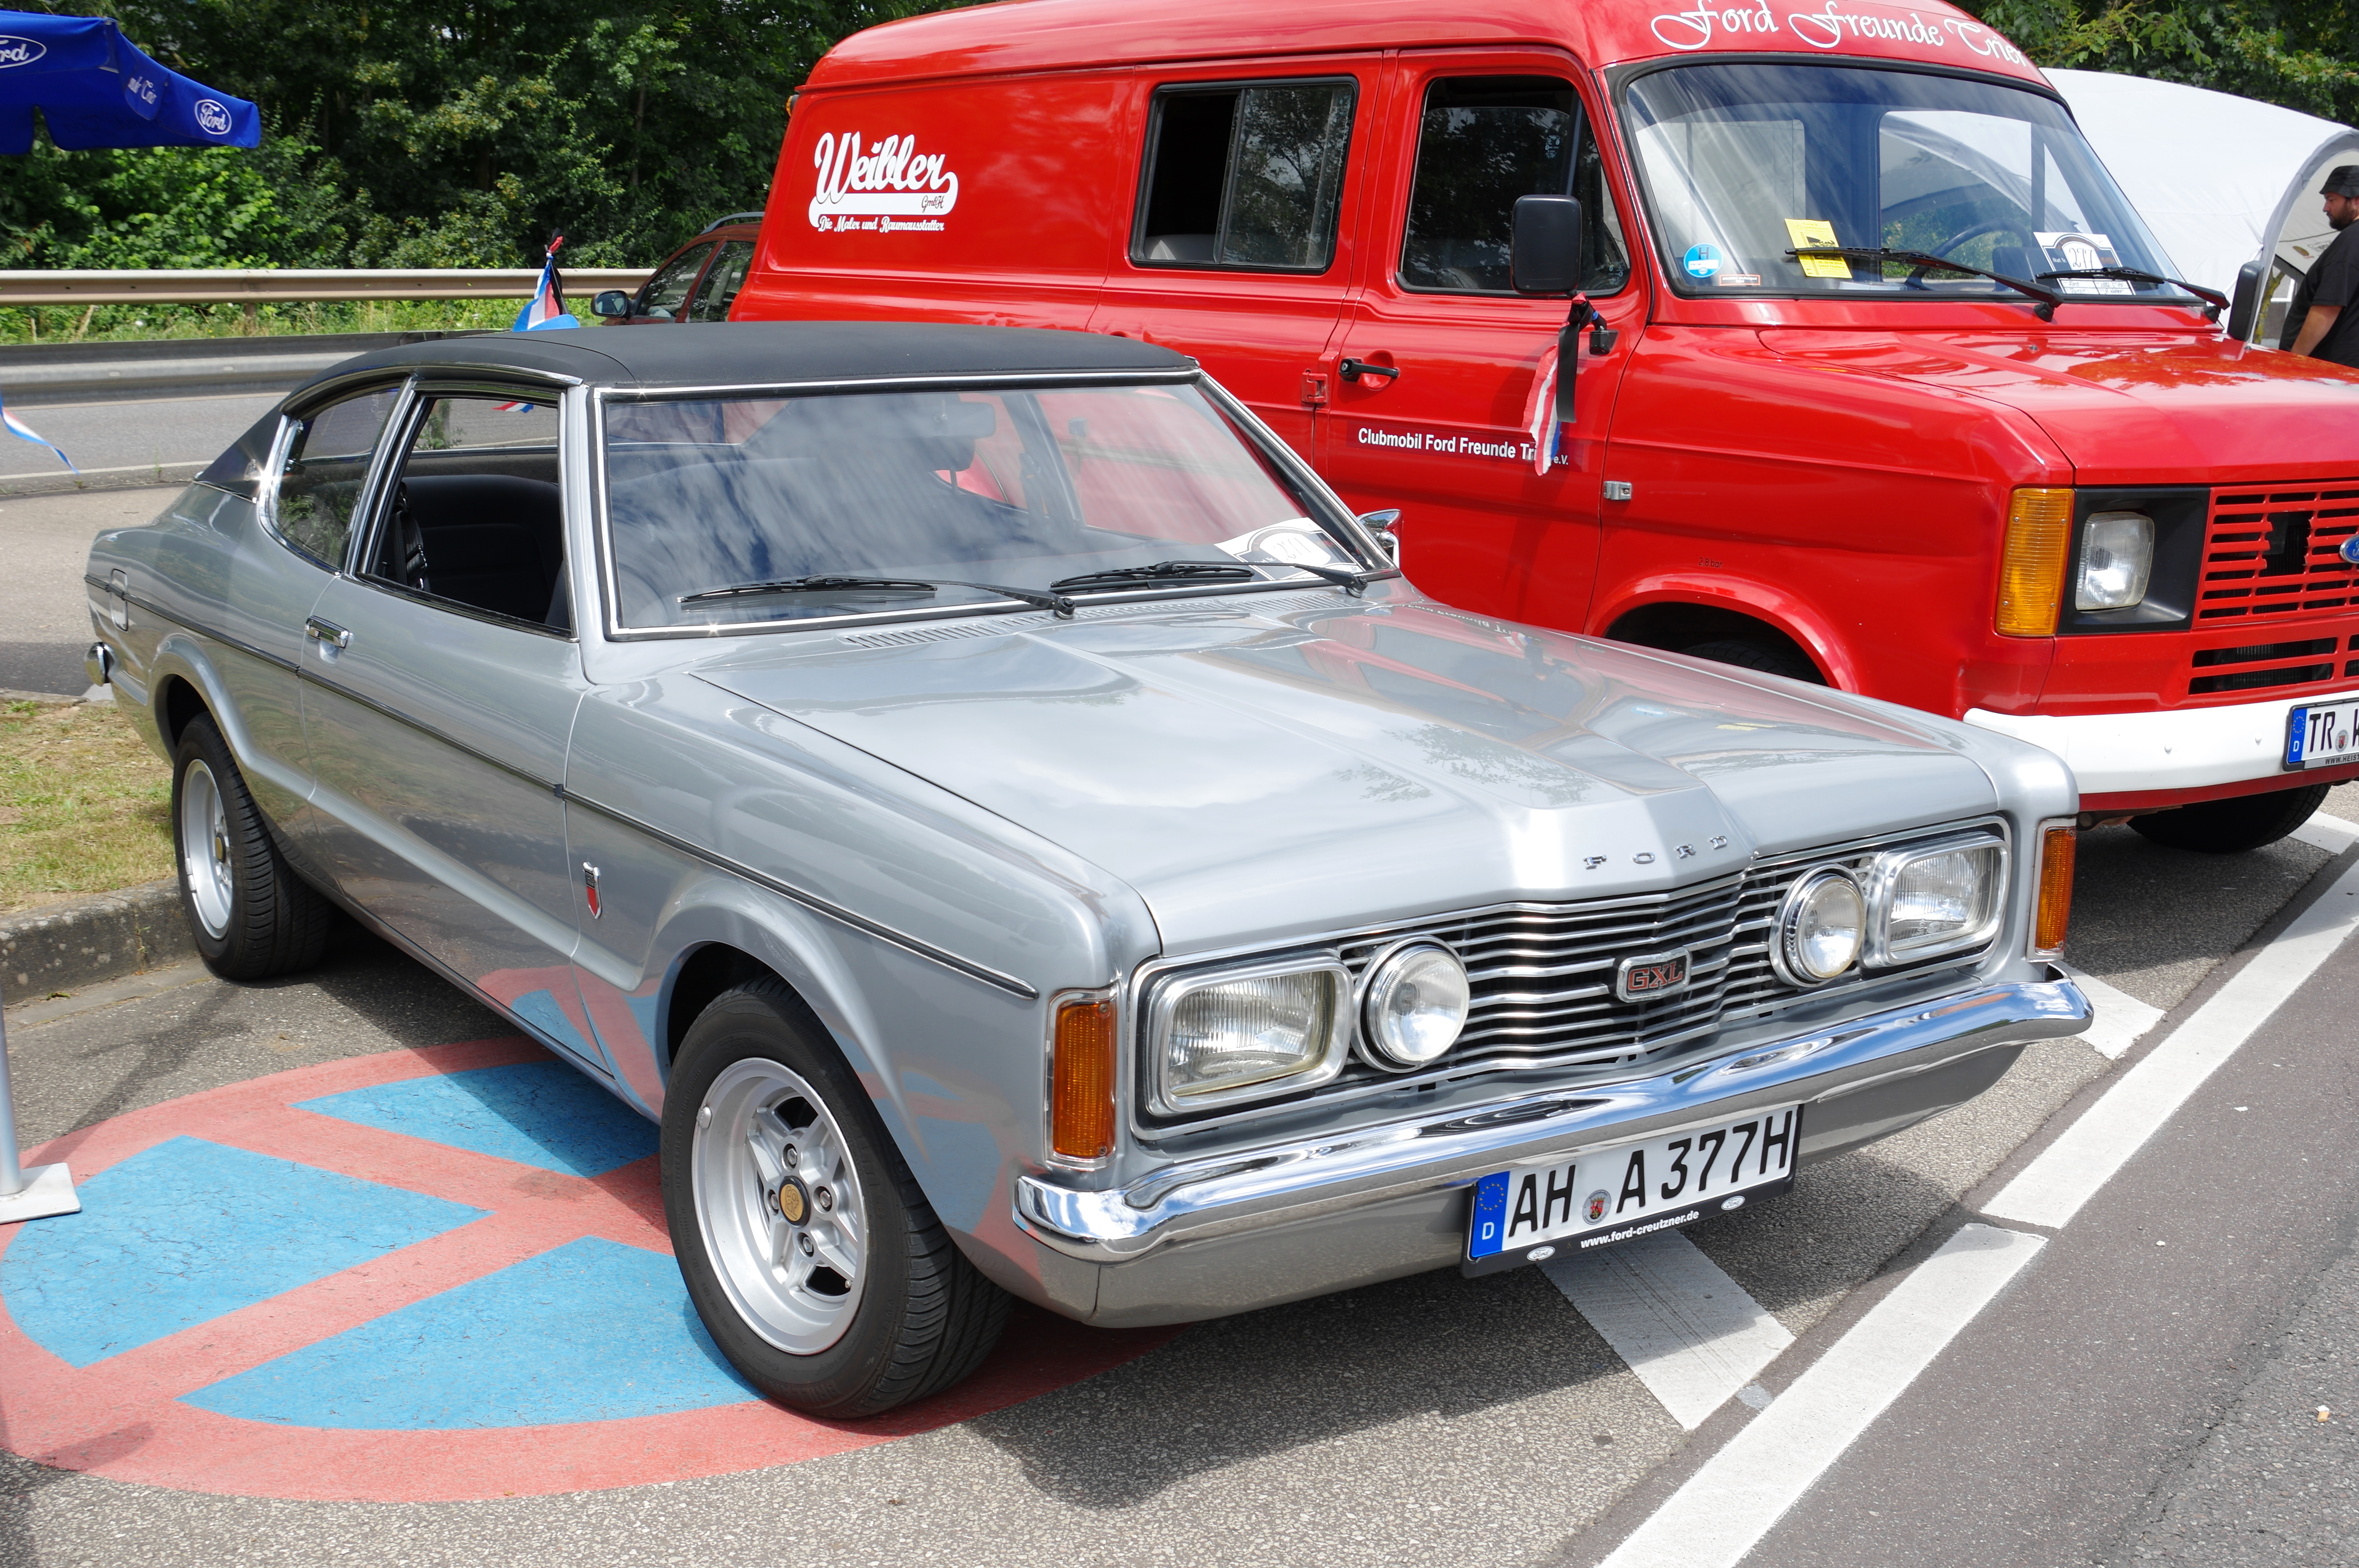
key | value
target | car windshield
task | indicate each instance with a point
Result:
(925, 500)
(1745, 163)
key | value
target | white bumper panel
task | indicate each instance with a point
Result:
(2188, 748)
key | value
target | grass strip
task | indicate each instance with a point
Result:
(84, 805)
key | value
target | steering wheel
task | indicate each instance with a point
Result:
(2001, 225)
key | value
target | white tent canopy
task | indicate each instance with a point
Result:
(2222, 180)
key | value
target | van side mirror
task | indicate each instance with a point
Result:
(2247, 301)
(1544, 256)
(611, 302)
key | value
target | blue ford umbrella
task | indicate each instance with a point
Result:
(96, 89)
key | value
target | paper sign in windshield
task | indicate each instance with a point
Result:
(1808, 232)
(2071, 251)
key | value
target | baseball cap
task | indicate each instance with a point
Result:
(2341, 181)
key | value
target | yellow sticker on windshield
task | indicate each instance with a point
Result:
(1808, 232)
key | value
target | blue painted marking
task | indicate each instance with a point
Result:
(535, 1113)
(590, 1331)
(181, 1233)
(966, 1156)
(1489, 1232)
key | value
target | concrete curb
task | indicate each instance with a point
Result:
(64, 947)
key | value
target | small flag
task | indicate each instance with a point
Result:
(25, 432)
(546, 310)
(1541, 422)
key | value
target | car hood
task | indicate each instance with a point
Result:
(1257, 771)
(2131, 408)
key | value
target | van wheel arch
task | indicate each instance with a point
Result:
(1725, 636)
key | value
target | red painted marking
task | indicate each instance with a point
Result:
(121, 1418)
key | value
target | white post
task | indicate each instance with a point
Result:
(44, 1190)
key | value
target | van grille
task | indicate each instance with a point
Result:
(2277, 551)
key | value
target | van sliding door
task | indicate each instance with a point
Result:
(1435, 368)
(1239, 252)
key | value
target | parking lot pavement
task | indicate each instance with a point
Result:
(1428, 1416)
(44, 611)
(113, 442)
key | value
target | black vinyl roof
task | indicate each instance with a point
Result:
(724, 353)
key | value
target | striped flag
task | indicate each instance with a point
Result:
(546, 310)
(25, 432)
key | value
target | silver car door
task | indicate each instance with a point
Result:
(438, 694)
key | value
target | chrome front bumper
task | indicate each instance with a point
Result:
(1867, 1078)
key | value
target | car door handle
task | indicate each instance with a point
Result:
(1352, 369)
(327, 632)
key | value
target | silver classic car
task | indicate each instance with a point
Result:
(1020, 835)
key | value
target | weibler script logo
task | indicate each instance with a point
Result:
(1829, 27)
(212, 118)
(891, 186)
(20, 52)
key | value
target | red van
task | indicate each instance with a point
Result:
(1883, 382)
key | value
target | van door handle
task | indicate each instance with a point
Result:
(327, 632)
(1352, 369)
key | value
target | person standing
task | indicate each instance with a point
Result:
(2324, 319)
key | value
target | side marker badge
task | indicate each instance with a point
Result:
(589, 889)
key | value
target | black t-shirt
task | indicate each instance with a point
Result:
(2333, 280)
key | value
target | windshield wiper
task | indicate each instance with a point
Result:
(1350, 581)
(1056, 602)
(2049, 299)
(1161, 571)
(2217, 301)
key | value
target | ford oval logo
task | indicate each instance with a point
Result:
(1648, 976)
(20, 52)
(2349, 551)
(212, 118)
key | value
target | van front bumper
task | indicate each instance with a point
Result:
(2168, 756)
(1251, 1229)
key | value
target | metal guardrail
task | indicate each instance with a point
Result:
(295, 285)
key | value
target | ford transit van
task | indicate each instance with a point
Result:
(1865, 371)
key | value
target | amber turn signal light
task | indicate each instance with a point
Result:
(2031, 571)
(1080, 1091)
(2054, 914)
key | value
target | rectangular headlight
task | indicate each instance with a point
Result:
(2116, 560)
(1931, 899)
(1247, 1031)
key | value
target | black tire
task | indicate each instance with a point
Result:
(2233, 825)
(923, 1317)
(251, 917)
(1769, 658)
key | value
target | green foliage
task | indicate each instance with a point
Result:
(2302, 54)
(437, 133)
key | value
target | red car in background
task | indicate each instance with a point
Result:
(698, 282)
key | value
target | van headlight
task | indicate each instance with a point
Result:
(1413, 1005)
(1247, 1032)
(1820, 928)
(1931, 899)
(2116, 560)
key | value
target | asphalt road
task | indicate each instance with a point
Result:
(1430, 1418)
(44, 608)
(116, 439)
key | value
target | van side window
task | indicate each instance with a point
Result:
(1245, 177)
(1485, 141)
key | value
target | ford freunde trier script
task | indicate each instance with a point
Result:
(890, 187)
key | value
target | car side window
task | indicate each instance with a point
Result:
(1484, 141)
(475, 515)
(327, 463)
(722, 281)
(662, 295)
(1246, 177)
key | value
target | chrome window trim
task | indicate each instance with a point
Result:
(364, 504)
(1876, 952)
(1171, 987)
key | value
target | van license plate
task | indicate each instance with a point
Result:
(2318, 733)
(1534, 1213)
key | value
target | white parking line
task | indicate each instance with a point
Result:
(2121, 1019)
(1729, 1504)
(1693, 1335)
(2328, 832)
(2067, 1173)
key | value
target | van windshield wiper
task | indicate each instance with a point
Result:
(2217, 300)
(1161, 571)
(1032, 596)
(1922, 263)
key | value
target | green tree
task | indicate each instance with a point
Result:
(2302, 54)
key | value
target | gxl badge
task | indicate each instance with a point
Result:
(1651, 974)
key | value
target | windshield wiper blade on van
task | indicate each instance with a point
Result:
(2212, 297)
(1922, 263)
(1161, 571)
(1056, 602)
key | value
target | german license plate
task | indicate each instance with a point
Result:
(1530, 1214)
(2317, 733)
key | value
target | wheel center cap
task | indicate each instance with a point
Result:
(794, 1205)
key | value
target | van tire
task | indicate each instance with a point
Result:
(2233, 825)
(1769, 658)
(249, 914)
(755, 1064)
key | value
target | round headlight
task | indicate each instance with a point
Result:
(1415, 1004)
(1820, 928)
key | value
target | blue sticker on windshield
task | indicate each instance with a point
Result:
(1702, 261)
